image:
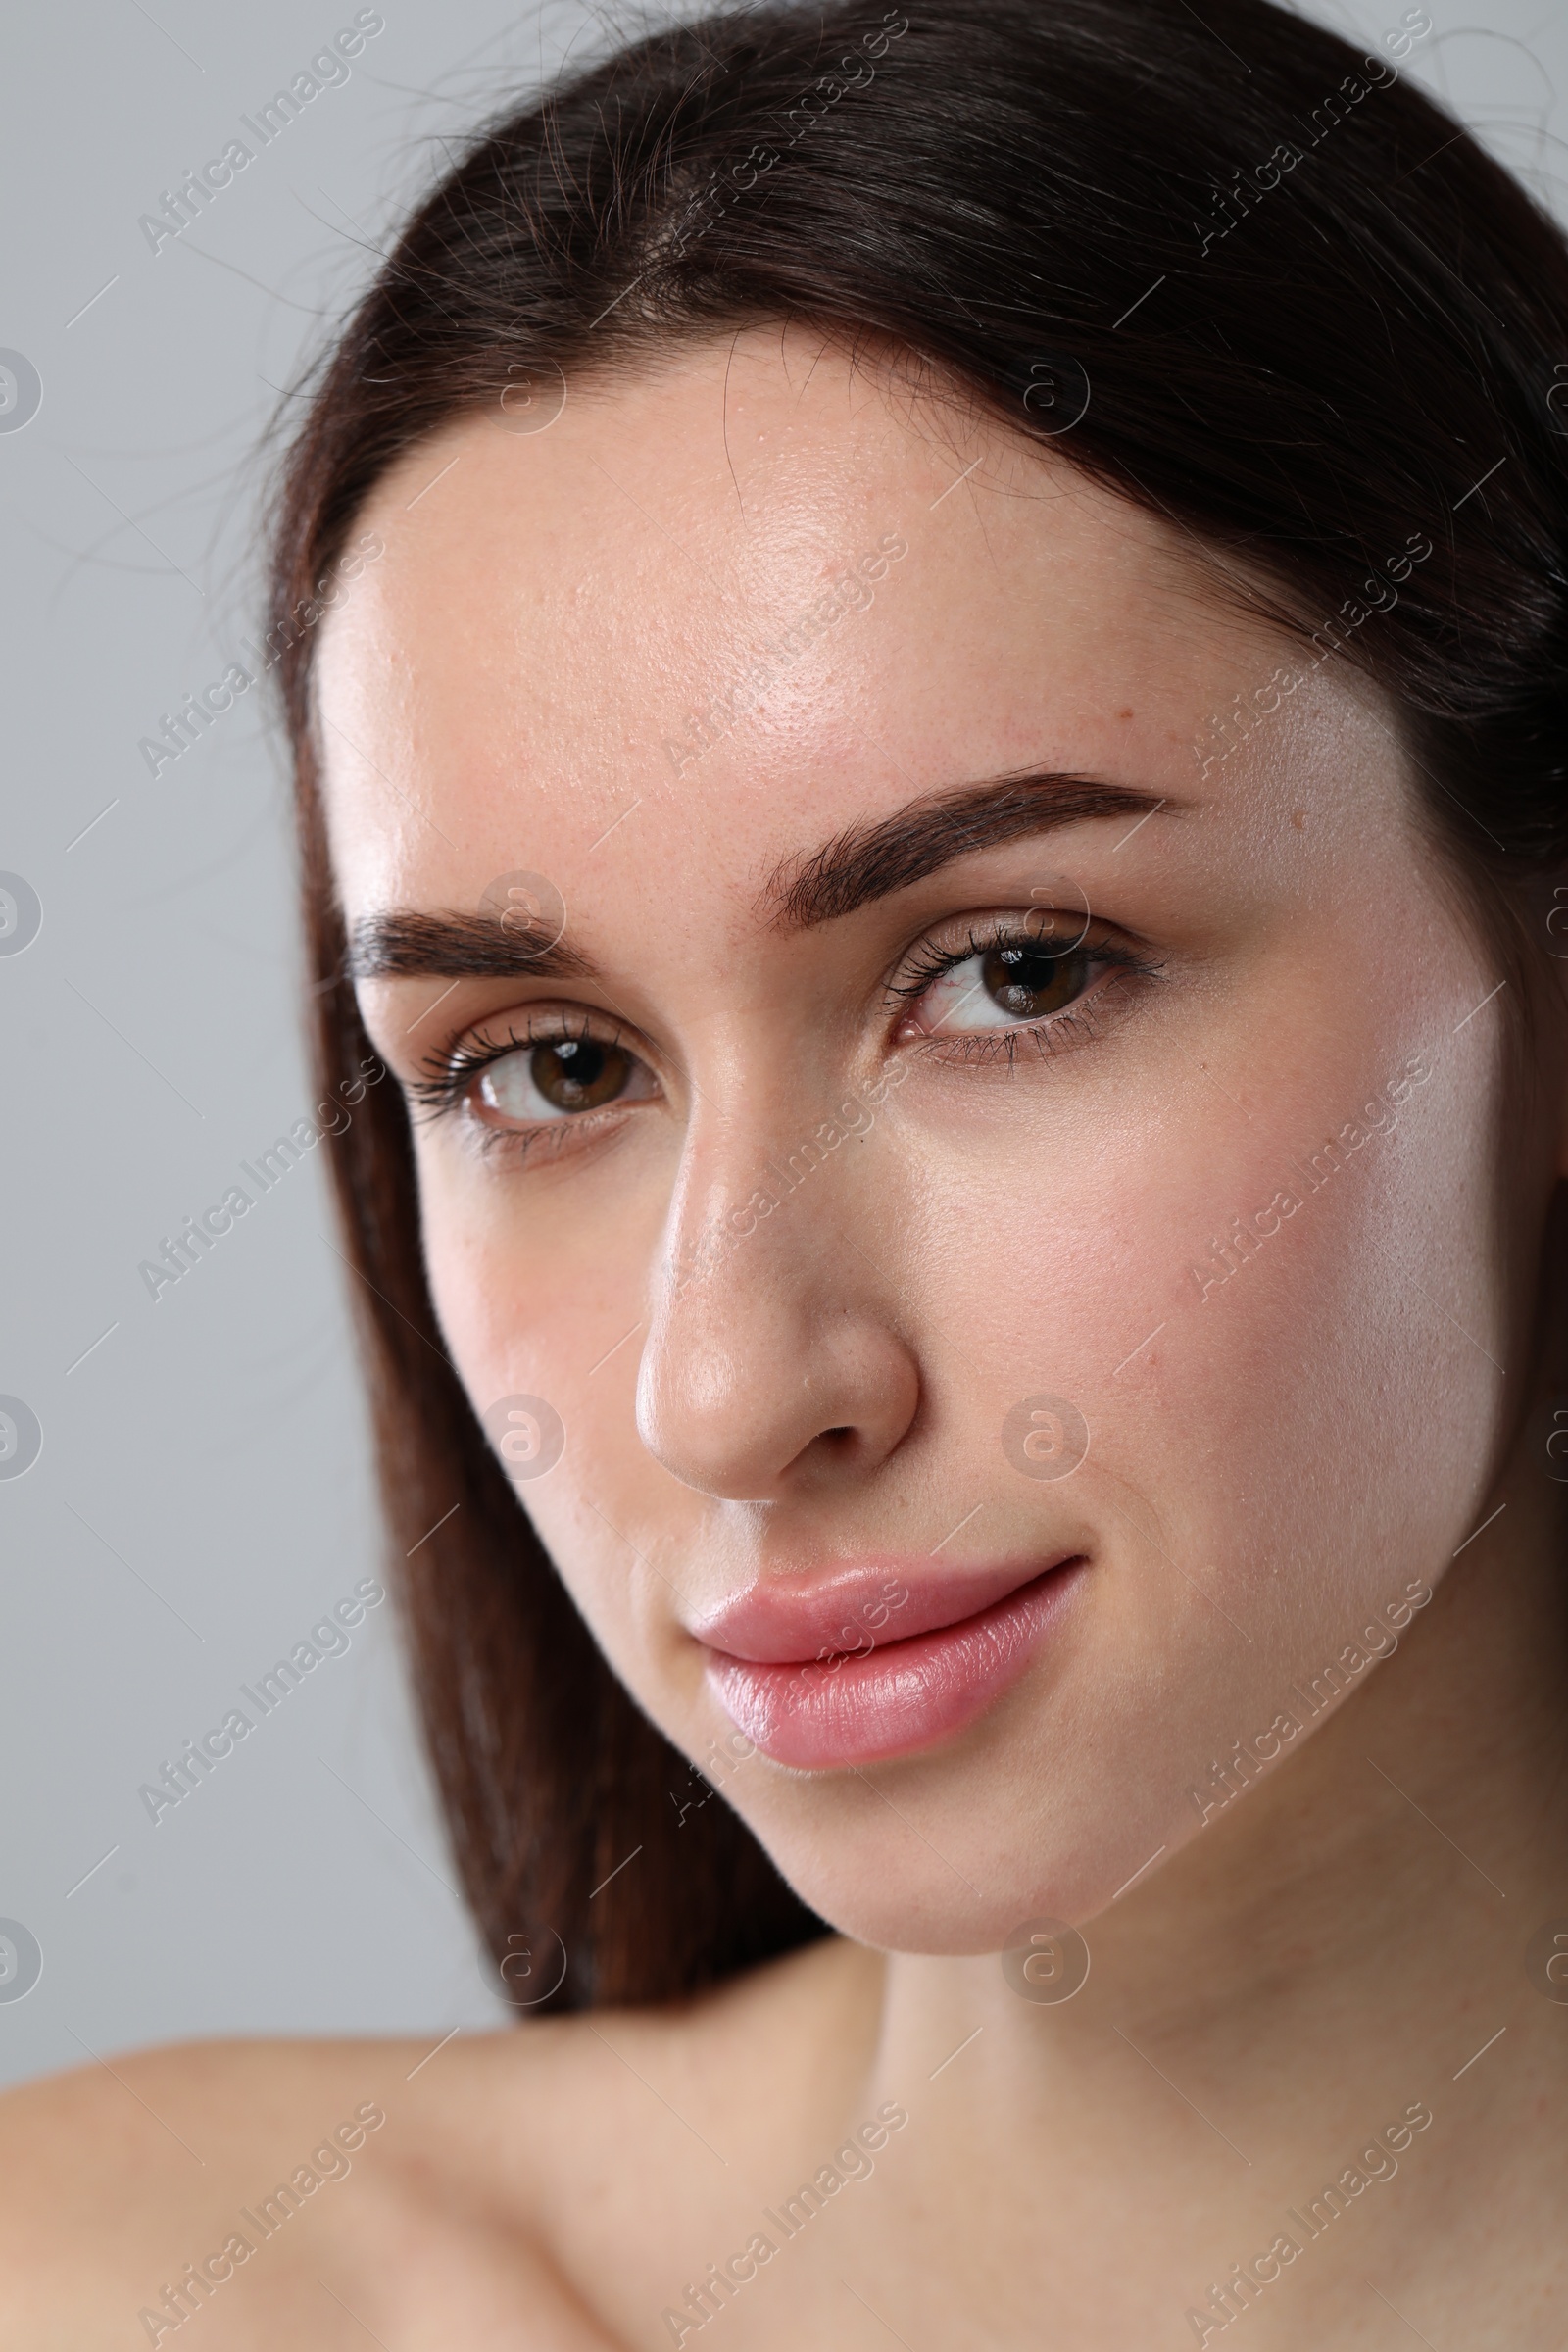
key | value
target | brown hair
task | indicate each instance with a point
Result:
(1312, 324)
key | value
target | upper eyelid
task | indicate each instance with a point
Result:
(988, 931)
(440, 1061)
(1010, 924)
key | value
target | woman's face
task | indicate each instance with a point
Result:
(978, 1240)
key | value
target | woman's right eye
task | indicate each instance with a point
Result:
(559, 1079)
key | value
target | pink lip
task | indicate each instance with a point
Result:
(875, 1662)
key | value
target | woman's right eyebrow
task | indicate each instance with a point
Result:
(404, 944)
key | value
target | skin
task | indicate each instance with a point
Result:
(1275, 1463)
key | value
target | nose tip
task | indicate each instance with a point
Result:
(747, 1397)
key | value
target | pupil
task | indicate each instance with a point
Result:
(578, 1073)
(1027, 981)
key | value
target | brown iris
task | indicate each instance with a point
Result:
(579, 1073)
(1027, 981)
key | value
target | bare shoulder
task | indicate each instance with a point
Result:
(300, 2190)
(452, 2189)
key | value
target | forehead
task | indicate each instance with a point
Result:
(725, 606)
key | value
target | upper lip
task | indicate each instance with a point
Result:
(787, 1619)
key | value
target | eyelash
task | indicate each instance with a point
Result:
(446, 1078)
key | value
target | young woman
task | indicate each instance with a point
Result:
(929, 670)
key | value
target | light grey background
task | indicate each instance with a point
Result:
(203, 1493)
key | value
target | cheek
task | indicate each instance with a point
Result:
(1342, 1412)
(1246, 1369)
(541, 1291)
(529, 1272)
(1271, 1457)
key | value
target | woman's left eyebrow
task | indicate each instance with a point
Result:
(867, 861)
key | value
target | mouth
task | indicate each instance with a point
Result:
(872, 1662)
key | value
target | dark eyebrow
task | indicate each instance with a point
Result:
(861, 863)
(402, 945)
(867, 861)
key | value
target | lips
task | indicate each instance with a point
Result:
(880, 1659)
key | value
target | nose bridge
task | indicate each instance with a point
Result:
(771, 1348)
(737, 1178)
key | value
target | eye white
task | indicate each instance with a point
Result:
(508, 1088)
(959, 1000)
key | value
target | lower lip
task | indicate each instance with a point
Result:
(857, 1709)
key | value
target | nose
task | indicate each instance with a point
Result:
(776, 1361)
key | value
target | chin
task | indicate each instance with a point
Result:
(950, 1852)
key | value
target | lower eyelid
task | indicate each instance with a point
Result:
(1084, 1011)
(545, 1136)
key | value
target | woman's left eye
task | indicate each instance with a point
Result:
(1007, 983)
